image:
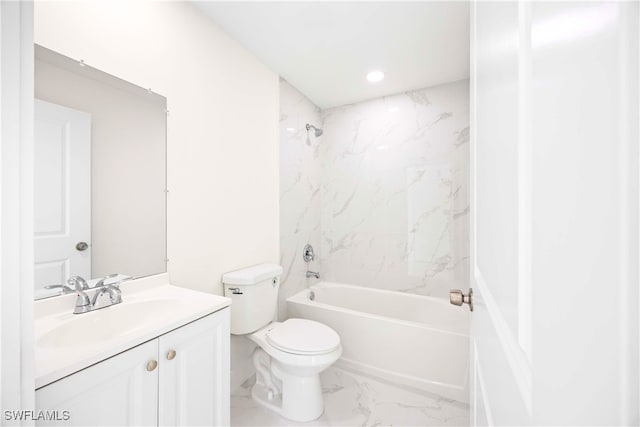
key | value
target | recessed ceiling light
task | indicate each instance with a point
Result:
(375, 76)
(292, 130)
(393, 109)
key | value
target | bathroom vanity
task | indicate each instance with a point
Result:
(152, 354)
(161, 357)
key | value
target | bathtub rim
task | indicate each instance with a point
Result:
(302, 298)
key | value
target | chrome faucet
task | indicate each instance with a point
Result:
(313, 274)
(308, 255)
(84, 304)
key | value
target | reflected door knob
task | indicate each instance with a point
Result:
(82, 246)
(456, 297)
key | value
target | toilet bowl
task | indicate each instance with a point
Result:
(290, 354)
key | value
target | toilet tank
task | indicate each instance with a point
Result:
(254, 292)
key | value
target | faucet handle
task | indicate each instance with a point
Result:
(119, 282)
(100, 283)
(77, 283)
(115, 295)
(64, 288)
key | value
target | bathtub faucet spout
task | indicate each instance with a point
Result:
(313, 274)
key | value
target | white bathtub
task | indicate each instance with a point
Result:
(417, 341)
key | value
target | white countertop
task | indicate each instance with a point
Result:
(150, 307)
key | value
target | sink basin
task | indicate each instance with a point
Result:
(107, 323)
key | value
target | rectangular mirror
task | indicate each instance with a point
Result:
(100, 175)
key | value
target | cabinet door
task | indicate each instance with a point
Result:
(194, 373)
(119, 391)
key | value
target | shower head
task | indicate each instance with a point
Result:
(317, 131)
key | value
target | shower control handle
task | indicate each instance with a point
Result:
(456, 297)
(307, 254)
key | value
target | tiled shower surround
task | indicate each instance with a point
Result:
(300, 205)
(382, 195)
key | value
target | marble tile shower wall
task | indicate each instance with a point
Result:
(382, 195)
(395, 194)
(300, 206)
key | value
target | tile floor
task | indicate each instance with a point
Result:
(357, 400)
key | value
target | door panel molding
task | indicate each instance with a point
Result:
(519, 364)
(62, 196)
(525, 177)
(482, 414)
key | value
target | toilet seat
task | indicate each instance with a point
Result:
(303, 337)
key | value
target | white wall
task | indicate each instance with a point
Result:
(222, 127)
(128, 158)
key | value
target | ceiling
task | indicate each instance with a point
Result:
(325, 49)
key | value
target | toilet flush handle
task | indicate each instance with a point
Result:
(235, 291)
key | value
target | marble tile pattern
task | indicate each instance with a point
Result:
(394, 191)
(300, 204)
(357, 400)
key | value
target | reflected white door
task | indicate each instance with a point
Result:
(555, 213)
(62, 182)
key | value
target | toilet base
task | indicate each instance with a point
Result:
(260, 393)
(294, 395)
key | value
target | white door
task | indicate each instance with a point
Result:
(121, 391)
(62, 187)
(554, 98)
(195, 373)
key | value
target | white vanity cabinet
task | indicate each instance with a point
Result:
(178, 378)
(194, 374)
(117, 391)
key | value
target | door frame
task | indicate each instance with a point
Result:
(16, 208)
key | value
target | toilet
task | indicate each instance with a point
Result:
(290, 354)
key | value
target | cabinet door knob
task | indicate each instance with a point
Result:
(152, 365)
(171, 355)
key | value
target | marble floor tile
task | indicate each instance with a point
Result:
(357, 400)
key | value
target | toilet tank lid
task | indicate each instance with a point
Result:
(251, 275)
